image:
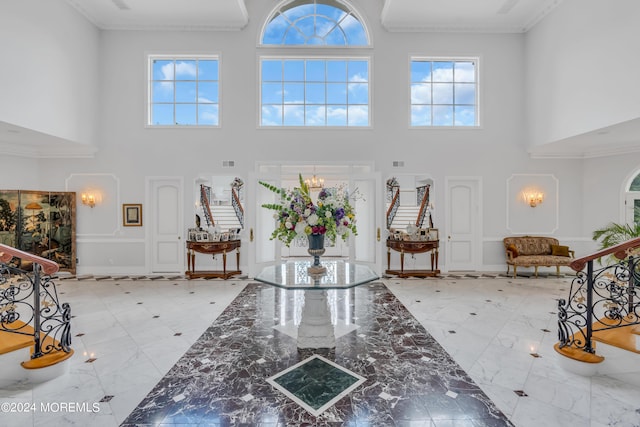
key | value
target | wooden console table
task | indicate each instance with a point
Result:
(212, 248)
(413, 247)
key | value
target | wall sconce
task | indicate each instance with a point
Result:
(88, 199)
(533, 198)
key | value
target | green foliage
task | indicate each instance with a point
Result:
(297, 215)
(613, 234)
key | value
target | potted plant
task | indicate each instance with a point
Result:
(613, 234)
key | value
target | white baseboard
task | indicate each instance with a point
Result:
(111, 270)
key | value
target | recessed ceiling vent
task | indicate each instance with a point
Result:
(120, 4)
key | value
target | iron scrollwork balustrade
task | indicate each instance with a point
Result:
(420, 193)
(603, 299)
(205, 197)
(395, 204)
(422, 196)
(51, 320)
(237, 206)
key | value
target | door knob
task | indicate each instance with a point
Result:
(251, 234)
(378, 234)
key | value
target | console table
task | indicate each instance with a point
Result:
(413, 247)
(212, 248)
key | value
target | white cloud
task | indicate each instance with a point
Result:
(421, 94)
(186, 69)
(358, 115)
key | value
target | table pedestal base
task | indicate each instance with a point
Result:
(316, 329)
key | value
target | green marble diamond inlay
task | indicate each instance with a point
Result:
(316, 383)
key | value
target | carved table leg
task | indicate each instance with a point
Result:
(224, 262)
(432, 258)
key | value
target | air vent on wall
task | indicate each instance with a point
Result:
(228, 163)
(398, 163)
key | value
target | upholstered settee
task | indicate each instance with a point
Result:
(536, 251)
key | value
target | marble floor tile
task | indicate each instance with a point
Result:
(507, 314)
(407, 376)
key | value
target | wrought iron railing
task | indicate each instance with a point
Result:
(237, 206)
(422, 196)
(600, 298)
(393, 207)
(205, 196)
(29, 303)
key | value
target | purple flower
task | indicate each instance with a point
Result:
(339, 214)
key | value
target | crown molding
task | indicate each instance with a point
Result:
(587, 154)
(223, 26)
(520, 28)
(544, 12)
(56, 151)
(232, 26)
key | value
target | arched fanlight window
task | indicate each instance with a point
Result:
(635, 184)
(314, 22)
(632, 201)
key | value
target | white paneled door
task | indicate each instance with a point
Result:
(165, 225)
(367, 246)
(262, 251)
(463, 226)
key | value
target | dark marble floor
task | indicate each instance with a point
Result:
(409, 379)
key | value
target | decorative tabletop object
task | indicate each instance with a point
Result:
(298, 215)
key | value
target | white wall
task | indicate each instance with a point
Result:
(604, 187)
(581, 62)
(49, 69)
(131, 152)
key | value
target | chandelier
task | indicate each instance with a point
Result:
(314, 183)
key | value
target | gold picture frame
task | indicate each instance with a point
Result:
(132, 215)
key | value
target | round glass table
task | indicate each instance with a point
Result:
(315, 329)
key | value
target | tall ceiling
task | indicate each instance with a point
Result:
(495, 16)
(399, 15)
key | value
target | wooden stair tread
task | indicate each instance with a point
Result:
(578, 354)
(623, 337)
(10, 341)
(49, 359)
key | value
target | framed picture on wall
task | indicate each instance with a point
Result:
(132, 215)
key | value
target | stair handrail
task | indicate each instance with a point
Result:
(393, 207)
(237, 206)
(600, 299)
(56, 316)
(8, 252)
(424, 203)
(206, 207)
(620, 251)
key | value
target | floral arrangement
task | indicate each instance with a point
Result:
(297, 215)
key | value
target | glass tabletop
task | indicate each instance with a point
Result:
(294, 275)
